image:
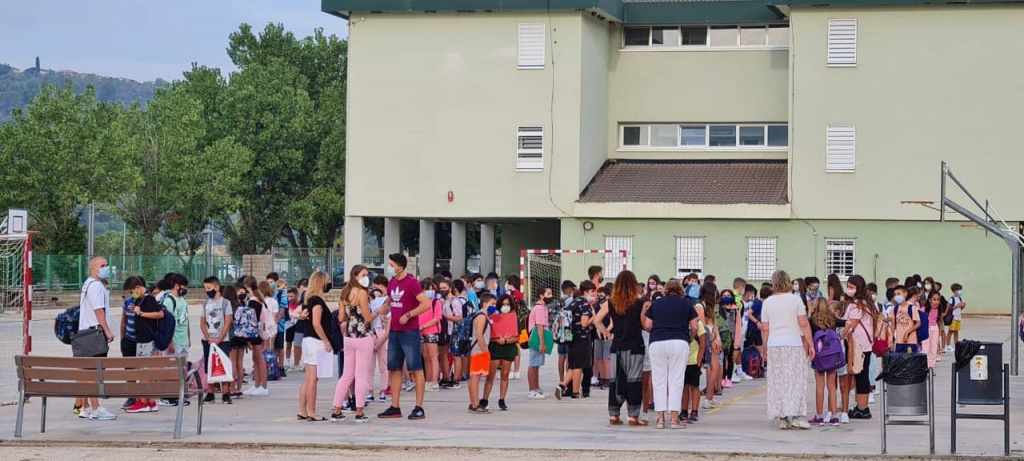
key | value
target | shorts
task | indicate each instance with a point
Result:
(128, 347)
(430, 339)
(506, 352)
(842, 371)
(480, 364)
(692, 376)
(863, 379)
(602, 349)
(753, 338)
(310, 346)
(536, 359)
(279, 340)
(180, 350)
(289, 334)
(563, 349)
(146, 349)
(647, 347)
(955, 326)
(403, 349)
(580, 354)
(297, 338)
(242, 343)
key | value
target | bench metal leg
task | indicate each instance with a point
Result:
(199, 421)
(21, 414)
(181, 412)
(42, 420)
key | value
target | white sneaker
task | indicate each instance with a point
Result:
(250, 390)
(737, 376)
(800, 423)
(871, 398)
(432, 387)
(85, 413)
(408, 386)
(593, 381)
(514, 375)
(260, 391)
(709, 404)
(102, 414)
(844, 418)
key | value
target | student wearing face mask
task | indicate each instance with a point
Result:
(522, 311)
(474, 289)
(813, 291)
(503, 348)
(692, 285)
(729, 325)
(568, 290)
(430, 330)
(581, 354)
(215, 323)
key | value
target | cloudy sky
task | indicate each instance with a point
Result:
(142, 39)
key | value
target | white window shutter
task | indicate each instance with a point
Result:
(531, 45)
(841, 149)
(842, 42)
(530, 148)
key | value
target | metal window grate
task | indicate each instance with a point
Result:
(689, 256)
(840, 255)
(761, 257)
(613, 261)
(530, 148)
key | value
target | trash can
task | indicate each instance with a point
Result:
(907, 399)
(980, 382)
(906, 384)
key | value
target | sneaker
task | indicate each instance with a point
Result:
(432, 387)
(536, 395)
(77, 410)
(138, 407)
(816, 421)
(210, 398)
(558, 392)
(834, 421)
(408, 386)
(226, 399)
(502, 406)
(844, 418)
(828, 417)
(727, 383)
(785, 423)
(693, 418)
(250, 390)
(361, 418)
(369, 398)
(800, 423)
(478, 410)
(455, 385)
(709, 404)
(128, 403)
(349, 405)
(102, 414)
(382, 397)
(860, 413)
(737, 376)
(260, 391)
(514, 375)
(153, 407)
(594, 381)
(871, 398)
(84, 412)
(417, 414)
(391, 412)
(337, 417)
(484, 404)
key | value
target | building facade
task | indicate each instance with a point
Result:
(721, 137)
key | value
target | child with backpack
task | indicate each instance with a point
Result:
(907, 320)
(479, 353)
(148, 314)
(829, 357)
(537, 324)
(175, 302)
(955, 316)
(456, 307)
(581, 352)
(246, 332)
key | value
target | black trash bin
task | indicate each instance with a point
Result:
(980, 382)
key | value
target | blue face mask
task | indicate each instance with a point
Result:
(105, 273)
(492, 309)
(431, 294)
(693, 291)
(389, 271)
(273, 286)
(898, 299)
(727, 301)
(479, 285)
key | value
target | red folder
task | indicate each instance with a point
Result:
(504, 325)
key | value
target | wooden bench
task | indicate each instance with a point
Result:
(101, 377)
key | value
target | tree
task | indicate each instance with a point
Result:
(61, 152)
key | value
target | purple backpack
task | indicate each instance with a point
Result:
(828, 351)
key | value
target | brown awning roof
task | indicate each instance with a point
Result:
(703, 182)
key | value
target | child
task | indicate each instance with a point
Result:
(581, 353)
(958, 305)
(289, 333)
(503, 348)
(479, 356)
(824, 318)
(568, 289)
(691, 379)
(215, 323)
(538, 324)
(907, 320)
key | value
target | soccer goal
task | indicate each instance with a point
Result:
(540, 268)
(15, 308)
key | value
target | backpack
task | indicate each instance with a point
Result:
(443, 324)
(267, 326)
(273, 369)
(922, 330)
(560, 322)
(828, 351)
(752, 363)
(246, 325)
(335, 336)
(1020, 331)
(462, 338)
(164, 331)
(66, 324)
(947, 319)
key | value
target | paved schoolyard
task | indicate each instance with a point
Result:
(739, 427)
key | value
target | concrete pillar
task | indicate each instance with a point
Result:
(353, 241)
(486, 248)
(425, 258)
(458, 249)
(392, 237)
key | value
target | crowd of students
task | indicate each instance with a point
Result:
(668, 347)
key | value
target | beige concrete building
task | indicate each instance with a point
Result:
(724, 137)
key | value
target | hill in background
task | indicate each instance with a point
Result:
(18, 87)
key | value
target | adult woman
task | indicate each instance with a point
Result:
(355, 320)
(430, 333)
(787, 336)
(627, 347)
(259, 365)
(835, 287)
(504, 348)
(671, 321)
(314, 340)
(861, 315)
(730, 327)
(706, 309)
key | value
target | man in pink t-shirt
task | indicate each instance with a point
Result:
(406, 301)
(538, 320)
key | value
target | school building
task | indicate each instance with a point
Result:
(721, 137)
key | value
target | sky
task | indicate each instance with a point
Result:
(143, 39)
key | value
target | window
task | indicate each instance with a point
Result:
(700, 136)
(531, 45)
(842, 42)
(840, 149)
(704, 37)
(530, 148)
(689, 256)
(613, 261)
(760, 257)
(839, 257)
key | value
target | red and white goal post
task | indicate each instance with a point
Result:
(16, 287)
(539, 268)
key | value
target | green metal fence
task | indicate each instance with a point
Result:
(68, 272)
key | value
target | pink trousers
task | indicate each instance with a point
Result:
(358, 363)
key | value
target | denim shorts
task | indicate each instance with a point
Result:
(536, 358)
(404, 348)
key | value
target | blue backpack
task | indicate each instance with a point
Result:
(273, 368)
(462, 337)
(246, 324)
(66, 324)
(922, 330)
(164, 331)
(828, 351)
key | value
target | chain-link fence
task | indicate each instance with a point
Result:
(68, 272)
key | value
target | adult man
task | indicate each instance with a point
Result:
(280, 287)
(94, 313)
(406, 301)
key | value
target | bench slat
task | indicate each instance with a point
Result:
(108, 362)
(60, 374)
(40, 388)
(142, 389)
(145, 374)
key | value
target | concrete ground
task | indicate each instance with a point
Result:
(740, 427)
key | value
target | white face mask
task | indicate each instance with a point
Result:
(364, 281)
(928, 286)
(506, 309)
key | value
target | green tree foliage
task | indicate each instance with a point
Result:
(64, 151)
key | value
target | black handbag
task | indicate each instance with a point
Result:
(89, 343)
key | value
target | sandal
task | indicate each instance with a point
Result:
(316, 418)
(634, 422)
(676, 424)
(301, 417)
(660, 424)
(615, 421)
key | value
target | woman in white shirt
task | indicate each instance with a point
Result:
(787, 337)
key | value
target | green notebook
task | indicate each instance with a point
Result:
(549, 341)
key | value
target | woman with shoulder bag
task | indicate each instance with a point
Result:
(861, 316)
